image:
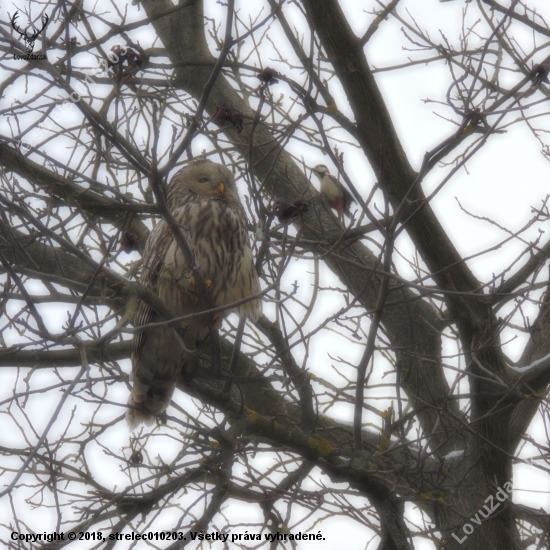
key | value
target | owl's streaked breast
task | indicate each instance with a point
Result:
(217, 235)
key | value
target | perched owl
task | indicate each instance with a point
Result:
(204, 201)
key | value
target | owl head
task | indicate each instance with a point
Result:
(207, 180)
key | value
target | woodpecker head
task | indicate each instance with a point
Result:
(321, 170)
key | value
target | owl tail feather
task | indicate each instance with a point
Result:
(137, 414)
(149, 398)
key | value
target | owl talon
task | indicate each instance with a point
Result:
(193, 285)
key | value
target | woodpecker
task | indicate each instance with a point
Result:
(338, 196)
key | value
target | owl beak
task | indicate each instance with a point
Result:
(221, 188)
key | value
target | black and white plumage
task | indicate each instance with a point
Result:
(203, 199)
(337, 194)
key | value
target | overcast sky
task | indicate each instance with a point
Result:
(504, 182)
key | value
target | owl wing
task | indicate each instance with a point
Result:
(157, 353)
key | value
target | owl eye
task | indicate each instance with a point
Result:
(203, 180)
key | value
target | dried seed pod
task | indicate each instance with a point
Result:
(268, 76)
(286, 211)
(124, 61)
(226, 113)
(136, 458)
(540, 72)
(129, 241)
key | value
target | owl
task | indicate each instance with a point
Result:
(203, 199)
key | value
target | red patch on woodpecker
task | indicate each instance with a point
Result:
(338, 204)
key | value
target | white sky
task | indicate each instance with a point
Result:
(504, 181)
